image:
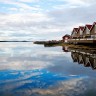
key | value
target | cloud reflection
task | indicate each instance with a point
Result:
(75, 87)
(35, 82)
(21, 57)
(36, 71)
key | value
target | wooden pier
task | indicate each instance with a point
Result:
(82, 41)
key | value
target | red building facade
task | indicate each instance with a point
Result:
(65, 38)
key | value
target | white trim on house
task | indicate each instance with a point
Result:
(87, 30)
(81, 32)
(74, 32)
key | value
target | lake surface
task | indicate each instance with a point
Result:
(27, 69)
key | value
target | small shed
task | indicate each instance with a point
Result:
(65, 38)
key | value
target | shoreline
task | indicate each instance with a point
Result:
(16, 41)
(75, 46)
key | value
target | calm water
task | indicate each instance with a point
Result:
(34, 70)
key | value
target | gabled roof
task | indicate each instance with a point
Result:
(88, 26)
(93, 26)
(67, 35)
(81, 27)
(94, 23)
(75, 29)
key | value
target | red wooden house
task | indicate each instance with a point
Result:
(80, 32)
(93, 31)
(65, 38)
(74, 33)
(86, 31)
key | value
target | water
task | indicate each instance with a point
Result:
(34, 70)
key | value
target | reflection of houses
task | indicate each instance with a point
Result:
(93, 61)
(74, 56)
(65, 38)
(86, 34)
(65, 48)
(87, 61)
(87, 58)
(81, 59)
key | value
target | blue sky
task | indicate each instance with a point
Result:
(43, 19)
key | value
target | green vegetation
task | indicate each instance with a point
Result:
(92, 47)
(60, 43)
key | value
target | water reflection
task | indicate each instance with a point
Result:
(32, 70)
(65, 48)
(86, 57)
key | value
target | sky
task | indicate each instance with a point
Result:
(43, 19)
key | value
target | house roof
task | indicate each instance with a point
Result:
(93, 26)
(67, 35)
(76, 29)
(81, 27)
(94, 23)
(88, 26)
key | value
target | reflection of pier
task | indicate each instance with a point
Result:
(86, 57)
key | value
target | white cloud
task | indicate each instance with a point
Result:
(21, 6)
(79, 2)
(36, 21)
(29, 1)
